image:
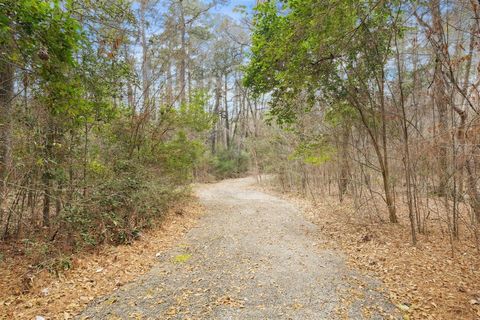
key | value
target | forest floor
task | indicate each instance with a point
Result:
(92, 274)
(251, 256)
(437, 279)
(249, 252)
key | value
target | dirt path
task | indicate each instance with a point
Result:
(252, 256)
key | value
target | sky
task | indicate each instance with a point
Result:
(228, 9)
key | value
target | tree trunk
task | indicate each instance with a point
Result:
(389, 197)
(472, 190)
(406, 149)
(145, 60)
(47, 174)
(183, 53)
(6, 96)
(218, 96)
(343, 161)
(169, 86)
(440, 98)
(227, 116)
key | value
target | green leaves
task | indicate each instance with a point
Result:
(193, 115)
(40, 25)
(307, 50)
(340, 112)
(315, 152)
(260, 73)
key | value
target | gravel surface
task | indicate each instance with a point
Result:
(252, 256)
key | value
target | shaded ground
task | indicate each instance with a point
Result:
(252, 256)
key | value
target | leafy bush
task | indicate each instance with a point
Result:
(127, 188)
(130, 198)
(230, 164)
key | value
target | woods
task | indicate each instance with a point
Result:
(109, 110)
(380, 99)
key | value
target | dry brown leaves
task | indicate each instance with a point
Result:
(93, 274)
(424, 282)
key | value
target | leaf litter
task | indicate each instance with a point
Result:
(423, 282)
(94, 274)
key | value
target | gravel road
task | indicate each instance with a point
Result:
(252, 256)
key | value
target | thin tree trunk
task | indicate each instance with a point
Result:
(145, 60)
(183, 53)
(169, 86)
(440, 98)
(343, 161)
(406, 148)
(7, 72)
(47, 173)
(218, 96)
(227, 116)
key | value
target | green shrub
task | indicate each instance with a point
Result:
(115, 211)
(230, 164)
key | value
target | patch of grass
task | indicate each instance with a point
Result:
(182, 258)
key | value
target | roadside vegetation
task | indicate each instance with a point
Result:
(110, 110)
